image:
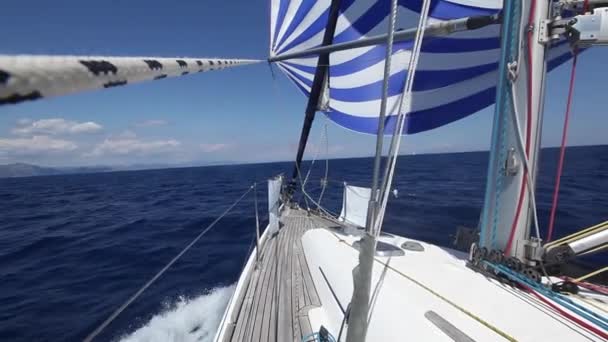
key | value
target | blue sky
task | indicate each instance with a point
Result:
(238, 114)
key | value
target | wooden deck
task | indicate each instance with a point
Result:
(281, 290)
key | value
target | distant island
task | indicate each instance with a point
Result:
(29, 170)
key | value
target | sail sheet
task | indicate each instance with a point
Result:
(32, 77)
(456, 74)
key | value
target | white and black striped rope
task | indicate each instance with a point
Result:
(30, 77)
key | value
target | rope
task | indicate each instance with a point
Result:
(586, 300)
(458, 307)
(579, 235)
(588, 286)
(118, 311)
(438, 295)
(527, 174)
(314, 159)
(562, 149)
(257, 224)
(537, 290)
(567, 315)
(597, 249)
(302, 186)
(32, 77)
(601, 270)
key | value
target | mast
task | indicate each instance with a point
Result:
(508, 210)
(362, 274)
(316, 88)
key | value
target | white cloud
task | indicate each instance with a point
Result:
(55, 126)
(213, 147)
(24, 121)
(127, 134)
(130, 145)
(35, 145)
(154, 122)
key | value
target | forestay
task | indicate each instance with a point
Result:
(456, 75)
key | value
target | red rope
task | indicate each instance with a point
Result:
(572, 318)
(562, 150)
(589, 286)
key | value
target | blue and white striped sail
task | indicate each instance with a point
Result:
(456, 75)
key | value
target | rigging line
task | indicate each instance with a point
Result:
(317, 86)
(299, 172)
(528, 177)
(566, 314)
(589, 275)
(586, 300)
(589, 286)
(540, 292)
(257, 225)
(594, 250)
(314, 159)
(306, 195)
(397, 134)
(118, 311)
(579, 235)
(562, 149)
(372, 211)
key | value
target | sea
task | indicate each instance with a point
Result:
(73, 248)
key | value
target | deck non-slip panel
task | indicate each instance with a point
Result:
(280, 291)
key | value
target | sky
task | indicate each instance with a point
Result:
(241, 114)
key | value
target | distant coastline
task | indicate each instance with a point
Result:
(15, 170)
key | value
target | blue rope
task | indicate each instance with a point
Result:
(580, 310)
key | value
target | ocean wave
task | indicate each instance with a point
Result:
(186, 320)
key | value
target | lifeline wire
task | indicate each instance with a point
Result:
(118, 311)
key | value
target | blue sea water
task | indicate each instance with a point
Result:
(74, 247)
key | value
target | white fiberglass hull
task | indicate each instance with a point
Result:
(428, 295)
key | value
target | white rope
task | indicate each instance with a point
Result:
(519, 137)
(522, 152)
(28, 77)
(118, 311)
(398, 132)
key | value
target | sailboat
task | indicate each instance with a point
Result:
(393, 68)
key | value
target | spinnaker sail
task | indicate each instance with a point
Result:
(456, 75)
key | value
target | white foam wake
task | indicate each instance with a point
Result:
(186, 320)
